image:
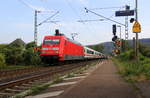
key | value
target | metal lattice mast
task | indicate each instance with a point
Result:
(35, 27)
(126, 28)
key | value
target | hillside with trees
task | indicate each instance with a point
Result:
(19, 53)
(107, 47)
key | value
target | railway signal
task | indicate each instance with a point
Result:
(118, 43)
(117, 51)
(125, 13)
(114, 38)
(132, 20)
(114, 29)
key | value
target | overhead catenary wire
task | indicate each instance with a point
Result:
(48, 18)
(87, 10)
(90, 20)
(119, 9)
(26, 4)
(106, 8)
(36, 8)
(103, 19)
(101, 9)
(73, 9)
(76, 13)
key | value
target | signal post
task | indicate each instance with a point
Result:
(138, 30)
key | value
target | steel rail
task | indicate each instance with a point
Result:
(36, 77)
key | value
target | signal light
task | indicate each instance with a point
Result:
(127, 7)
(117, 51)
(114, 38)
(132, 20)
(114, 29)
(118, 43)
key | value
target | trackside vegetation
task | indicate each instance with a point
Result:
(132, 70)
(18, 53)
(2, 59)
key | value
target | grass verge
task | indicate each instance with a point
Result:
(13, 67)
(133, 71)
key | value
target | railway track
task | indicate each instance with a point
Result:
(9, 74)
(17, 85)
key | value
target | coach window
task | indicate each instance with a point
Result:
(84, 50)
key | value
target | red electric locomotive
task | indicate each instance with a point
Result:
(60, 48)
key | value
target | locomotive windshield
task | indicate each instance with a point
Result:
(51, 41)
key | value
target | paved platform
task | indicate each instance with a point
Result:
(104, 82)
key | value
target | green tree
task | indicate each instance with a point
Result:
(144, 50)
(99, 47)
(2, 59)
(17, 53)
(30, 45)
(31, 57)
(14, 55)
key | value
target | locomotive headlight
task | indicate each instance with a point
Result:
(55, 48)
(56, 52)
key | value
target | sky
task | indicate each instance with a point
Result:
(17, 19)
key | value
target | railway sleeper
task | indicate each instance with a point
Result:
(20, 88)
(40, 82)
(12, 90)
(26, 85)
(5, 95)
(31, 82)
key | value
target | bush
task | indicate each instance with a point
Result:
(14, 56)
(30, 45)
(144, 50)
(31, 57)
(133, 70)
(2, 60)
(129, 55)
